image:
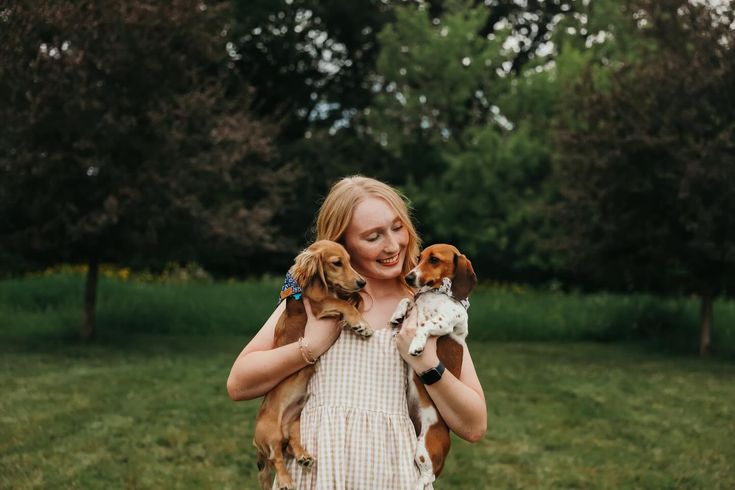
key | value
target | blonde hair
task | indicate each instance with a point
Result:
(336, 211)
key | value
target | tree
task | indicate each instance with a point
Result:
(647, 164)
(127, 139)
(470, 134)
(313, 63)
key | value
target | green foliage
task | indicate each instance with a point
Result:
(152, 412)
(485, 173)
(647, 166)
(126, 137)
(307, 59)
(489, 201)
(433, 76)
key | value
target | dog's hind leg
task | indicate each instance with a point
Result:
(294, 441)
(269, 439)
(283, 478)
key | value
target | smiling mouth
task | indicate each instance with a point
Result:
(390, 260)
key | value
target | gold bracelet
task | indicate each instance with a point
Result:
(305, 352)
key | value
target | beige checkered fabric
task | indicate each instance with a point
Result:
(356, 420)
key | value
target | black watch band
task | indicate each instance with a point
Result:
(431, 376)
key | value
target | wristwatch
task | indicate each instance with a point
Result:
(432, 375)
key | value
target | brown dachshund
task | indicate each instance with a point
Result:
(324, 273)
(445, 279)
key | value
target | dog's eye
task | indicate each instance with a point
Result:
(433, 260)
(337, 263)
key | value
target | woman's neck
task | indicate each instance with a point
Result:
(383, 288)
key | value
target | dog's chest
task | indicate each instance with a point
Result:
(439, 307)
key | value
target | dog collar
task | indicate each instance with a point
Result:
(445, 288)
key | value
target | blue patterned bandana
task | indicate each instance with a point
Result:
(290, 288)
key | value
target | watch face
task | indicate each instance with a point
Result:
(432, 375)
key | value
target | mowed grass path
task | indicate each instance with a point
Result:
(152, 412)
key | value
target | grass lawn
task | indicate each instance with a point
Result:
(151, 411)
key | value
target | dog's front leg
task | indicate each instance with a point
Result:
(403, 308)
(350, 317)
(419, 339)
(439, 323)
(435, 324)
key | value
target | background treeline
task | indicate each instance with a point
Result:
(585, 144)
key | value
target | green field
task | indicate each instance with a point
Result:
(145, 405)
(152, 412)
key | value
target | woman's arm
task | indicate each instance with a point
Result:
(260, 366)
(460, 401)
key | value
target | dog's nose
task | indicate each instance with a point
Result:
(361, 283)
(411, 279)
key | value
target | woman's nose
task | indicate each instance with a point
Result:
(391, 245)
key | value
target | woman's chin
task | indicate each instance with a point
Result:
(381, 271)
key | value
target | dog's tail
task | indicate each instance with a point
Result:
(264, 471)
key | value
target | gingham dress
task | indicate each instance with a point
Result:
(355, 422)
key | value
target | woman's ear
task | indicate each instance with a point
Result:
(464, 277)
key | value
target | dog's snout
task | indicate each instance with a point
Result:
(411, 279)
(361, 283)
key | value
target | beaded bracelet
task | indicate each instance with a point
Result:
(305, 352)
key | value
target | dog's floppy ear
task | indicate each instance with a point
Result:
(308, 272)
(464, 277)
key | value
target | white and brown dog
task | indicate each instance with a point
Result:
(444, 278)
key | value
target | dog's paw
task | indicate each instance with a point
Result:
(306, 461)
(286, 484)
(403, 308)
(422, 484)
(362, 329)
(416, 352)
(397, 318)
(416, 349)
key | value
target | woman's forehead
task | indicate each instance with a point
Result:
(372, 212)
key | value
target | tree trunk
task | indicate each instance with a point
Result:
(90, 300)
(705, 334)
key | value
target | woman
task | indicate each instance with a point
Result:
(356, 420)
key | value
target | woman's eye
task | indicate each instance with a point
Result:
(398, 227)
(372, 238)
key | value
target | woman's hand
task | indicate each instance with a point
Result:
(460, 401)
(428, 358)
(319, 334)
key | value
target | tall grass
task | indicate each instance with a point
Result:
(541, 315)
(51, 306)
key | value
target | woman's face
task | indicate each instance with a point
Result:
(376, 239)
